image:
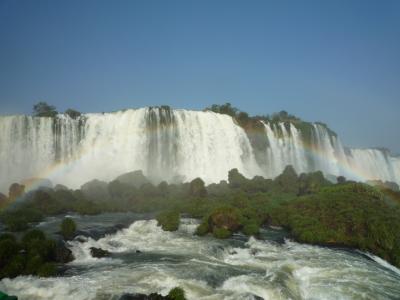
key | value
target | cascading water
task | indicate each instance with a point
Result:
(173, 145)
(146, 259)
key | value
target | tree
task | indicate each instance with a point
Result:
(341, 179)
(3, 200)
(72, 113)
(197, 188)
(226, 109)
(68, 228)
(288, 180)
(236, 180)
(15, 191)
(42, 109)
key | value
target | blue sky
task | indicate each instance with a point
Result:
(331, 61)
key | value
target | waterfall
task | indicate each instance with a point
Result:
(173, 145)
(165, 144)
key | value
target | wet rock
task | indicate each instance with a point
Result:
(63, 254)
(81, 239)
(99, 253)
(254, 251)
(98, 233)
(153, 296)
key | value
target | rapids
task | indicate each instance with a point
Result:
(272, 267)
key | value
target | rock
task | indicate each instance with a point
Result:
(254, 251)
(81, 239)
(99, 232)
(99, 253)
(153, 296)
(63, 254)
(138, 251)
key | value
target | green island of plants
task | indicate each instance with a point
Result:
(311, 208)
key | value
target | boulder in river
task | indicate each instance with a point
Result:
(153, 296)
(99, 253)
(63, 254)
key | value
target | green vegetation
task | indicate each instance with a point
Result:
(176, 294)
(169, 221)
(197, 188)
(253, 126)
(310, 207)
(221, 233)
(15, 191)
(33, 255)
(353, 215)
(42, 109)
(72, 113)
(68, 228)
(19, 219)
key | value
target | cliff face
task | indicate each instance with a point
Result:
(175, 145)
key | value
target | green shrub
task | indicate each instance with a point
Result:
(202, 229)
(169, 221)
(347, 214)
(8, 249)
(177, 294)
(33, 264)
(221, 233)
(251, 228)
(7, 236)
(46, 270)
(19, 219)
(14, 267)
(68, 228)
(33, 235)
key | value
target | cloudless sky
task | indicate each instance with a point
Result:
(331, 61)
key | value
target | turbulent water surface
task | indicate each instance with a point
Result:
(238, 268)
(174, 144)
